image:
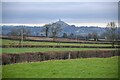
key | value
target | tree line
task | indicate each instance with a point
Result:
(53, 30)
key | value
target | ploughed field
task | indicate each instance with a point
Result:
(73, 68)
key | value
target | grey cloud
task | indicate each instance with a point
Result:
(36, 12)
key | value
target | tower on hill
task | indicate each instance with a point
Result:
(59, 19)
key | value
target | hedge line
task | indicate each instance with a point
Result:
(61, 40)
(58, 46)
(43, 56)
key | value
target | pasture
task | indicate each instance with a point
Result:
(70, 68)
(23, 50)
(16, 42)
(73, 68)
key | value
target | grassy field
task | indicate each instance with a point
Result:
(75, 68)
(15, 42)
(22, 50)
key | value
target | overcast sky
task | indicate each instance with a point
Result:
(77, 13)
(60, 0)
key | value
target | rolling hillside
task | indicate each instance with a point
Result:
(66, 28)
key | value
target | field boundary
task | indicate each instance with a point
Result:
(56, 55)
(59, 40)
(55, 46)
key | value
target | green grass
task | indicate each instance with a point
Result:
(22, 50)
(15, 42)
(75, 68)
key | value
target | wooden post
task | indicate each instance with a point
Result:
(69, 56)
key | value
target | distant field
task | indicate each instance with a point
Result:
(15, 42)
(22, 50)
(75, 68)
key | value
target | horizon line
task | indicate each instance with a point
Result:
(40, 25)
(77, 24)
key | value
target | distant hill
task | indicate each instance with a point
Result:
(66, 28)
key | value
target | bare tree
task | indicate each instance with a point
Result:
(95, 36)
(55, 30)
(71, 36)
(65, 35)
(111, 32)
(21, 32)
(88, 36)
(46, 29)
